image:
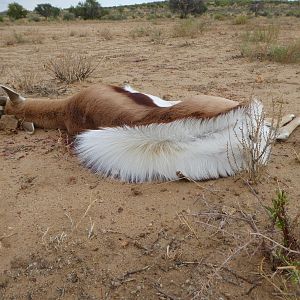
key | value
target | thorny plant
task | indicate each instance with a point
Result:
(255, 142)
(70, 68)
(282, 255)
(283, 258)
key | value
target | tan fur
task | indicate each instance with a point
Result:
(107, 106)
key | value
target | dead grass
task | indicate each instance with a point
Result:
(189, 28)
(70, 68)
(30, 83)
(30, 37)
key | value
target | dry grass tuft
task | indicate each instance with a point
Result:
(29, 37)
(30, 84)
(107, 34)
(289, 53)
(157, 36)
(240, 20)
(189, 28)
(70, 68)
(140, 32)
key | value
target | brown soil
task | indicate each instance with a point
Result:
(68, 234)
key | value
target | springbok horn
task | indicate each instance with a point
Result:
(14, 97)
(3, 100)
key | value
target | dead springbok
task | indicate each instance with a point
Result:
(139, 137)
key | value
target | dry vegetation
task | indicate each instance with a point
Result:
(68, 233)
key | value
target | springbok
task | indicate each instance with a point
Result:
(139, 137)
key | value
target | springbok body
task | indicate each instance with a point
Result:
(139, 137)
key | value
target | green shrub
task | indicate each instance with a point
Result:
(16, 11)
(68, 16)
(33, 18)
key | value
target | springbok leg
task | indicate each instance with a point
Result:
(284, 120)
(285, 131)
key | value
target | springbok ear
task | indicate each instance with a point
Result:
(14, 97)
(28, 127)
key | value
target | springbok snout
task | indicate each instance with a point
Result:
(15, 99)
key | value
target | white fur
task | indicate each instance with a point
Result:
(158, 101)
(199, 149)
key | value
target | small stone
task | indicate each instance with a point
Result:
(135, 191)
(8, 122)
(227, 210)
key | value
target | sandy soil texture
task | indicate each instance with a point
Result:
(66, 233)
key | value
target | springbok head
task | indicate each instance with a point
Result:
(13, 104)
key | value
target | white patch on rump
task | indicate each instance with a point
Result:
(158, 101)
(199, 149)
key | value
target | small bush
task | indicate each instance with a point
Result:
(289, 53)
(189, 28)
(240, 20)
(1, 19)
(33, 18)
(68, 16)
(70, 68)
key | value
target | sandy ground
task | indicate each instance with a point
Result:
(68, 234)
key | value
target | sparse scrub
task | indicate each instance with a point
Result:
(70, 68)
(262, 44)
(189, 28)
(23, 38)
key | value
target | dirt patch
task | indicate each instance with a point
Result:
(66, 233)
